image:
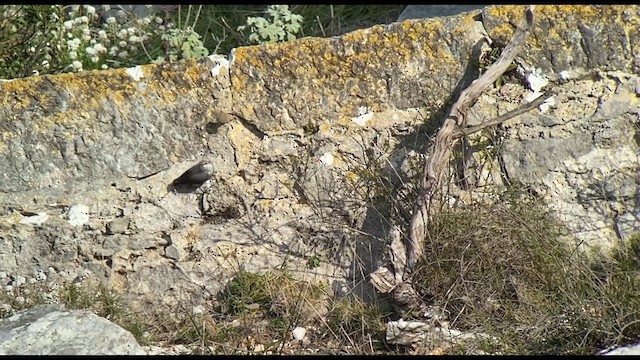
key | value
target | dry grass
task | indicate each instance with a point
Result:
(499, 269)
(503, 270)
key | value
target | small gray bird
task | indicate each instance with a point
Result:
(196, 175)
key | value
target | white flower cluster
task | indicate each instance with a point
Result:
(95, 44)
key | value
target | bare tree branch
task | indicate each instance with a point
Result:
(504, 117)
(446, 137)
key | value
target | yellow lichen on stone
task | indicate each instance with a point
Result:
(75, 100)
(563, 18)
(511, 14)
(243, 142)
(63, 99)
(310, 57)
(7, 136)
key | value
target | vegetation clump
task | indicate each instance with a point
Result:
(506, 270)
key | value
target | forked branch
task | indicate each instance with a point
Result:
(449, 133)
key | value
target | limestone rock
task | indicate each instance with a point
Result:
(51, 330)
(625, 350)
(309, 82)
(407, 332)
(429, 11)
(319, 132)
(117, 226)
(568, 37)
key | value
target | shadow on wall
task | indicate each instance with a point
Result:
(370, 240)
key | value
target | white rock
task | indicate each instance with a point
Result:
(78, 215)
(625, 350)
(327, 158)
(550, 102)
(363, 116)
(299, 333)
(135, 72)
(198, 309)
(537, 80)
(20, 280)
(51, 330)
(221, 62)
(565, 75)
(36, 219)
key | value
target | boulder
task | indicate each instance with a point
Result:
(52, 330)
(625, 350)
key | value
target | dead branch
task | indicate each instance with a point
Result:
(504, 117)
(446, 137)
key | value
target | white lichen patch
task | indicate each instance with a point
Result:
(232, 56)
(537, 80)
(364, 114)
(221, 62)
(135, 72)
(547, 104)
(327, 158)
(78, 215)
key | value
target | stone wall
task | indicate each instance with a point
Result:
(303, 136)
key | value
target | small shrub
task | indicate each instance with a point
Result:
(245, 289)
(277, 293)
(283, 25)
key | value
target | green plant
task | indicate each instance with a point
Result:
(183, 42)
(50, 39)
(489, 58)
(283, 25)
(313, 262)
(28, 36)
(245, 289)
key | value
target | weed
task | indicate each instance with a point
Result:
(282, 26)
(356, 324)
(244, 290)
(313, 262)
(492, 56)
